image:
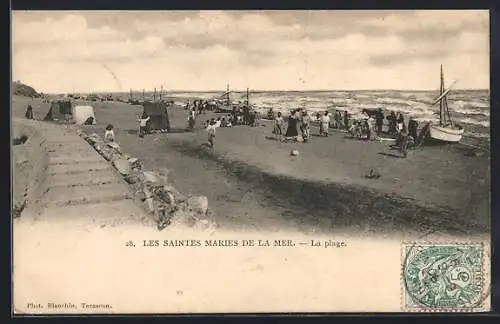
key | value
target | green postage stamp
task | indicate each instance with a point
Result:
(444, 277)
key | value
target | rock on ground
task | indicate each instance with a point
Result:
(198, 204)
(151, 177)
(123, 166)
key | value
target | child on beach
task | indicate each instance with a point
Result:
(143, 121)
(324, 124)
(304, 126)
(355, 130)
(278, 126)
(211, 133)
(109, 134)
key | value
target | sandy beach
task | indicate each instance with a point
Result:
(253, 183)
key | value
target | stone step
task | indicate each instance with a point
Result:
(81, 179)
(71, 159)
(64, 140)
(63, 196)
(70, 150)
(76, 143)
(78, 168)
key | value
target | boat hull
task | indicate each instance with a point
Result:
(446, 134)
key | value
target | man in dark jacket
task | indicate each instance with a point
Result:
(413, 129)
(392, 123)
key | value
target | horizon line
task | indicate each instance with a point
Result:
(261, 90)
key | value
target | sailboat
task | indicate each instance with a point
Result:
(446, 130)
(225, 104)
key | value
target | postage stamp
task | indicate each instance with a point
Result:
(444, 277)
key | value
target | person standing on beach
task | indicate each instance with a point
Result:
(324, 124)
(29, 113)
(335, 121)
(338, 119)
(379, 118)
(370, 128)
(392, 123)
(403, 143)
(291, 131)
(246, 115)
(346, 120)
(191, 118)
(251, 118)
(278, 126)
(211, 133)
(142, 124)
(413, 129)
(400, 122)
(400, 125)
(305, 126)
(270, 114)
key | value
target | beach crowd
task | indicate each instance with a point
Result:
(368, 126)
(371, 125)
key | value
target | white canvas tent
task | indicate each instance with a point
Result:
(82, 113)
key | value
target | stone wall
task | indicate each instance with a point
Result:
(30, 163)
(167, 205)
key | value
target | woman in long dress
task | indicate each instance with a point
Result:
(291, 131)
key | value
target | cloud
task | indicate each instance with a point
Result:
(264, 50)
(71, 28)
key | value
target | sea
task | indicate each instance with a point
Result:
(469, 108)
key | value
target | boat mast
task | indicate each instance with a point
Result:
(227, 96)
(248, 100)
(441, 102)
(444, 118)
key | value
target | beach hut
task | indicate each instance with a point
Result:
(158, 113)
(58, 110)
(81, 115)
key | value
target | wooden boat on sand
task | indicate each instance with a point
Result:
(446, 130)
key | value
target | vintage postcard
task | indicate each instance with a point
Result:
(250, 161)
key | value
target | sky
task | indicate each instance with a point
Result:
(110, 51)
